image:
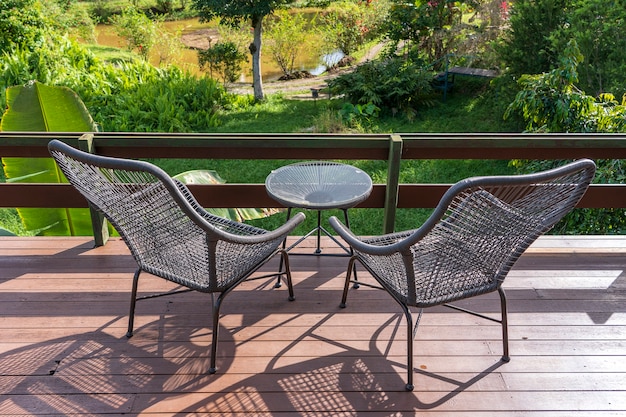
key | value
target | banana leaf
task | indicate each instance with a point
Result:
(203, 176)
(36, 107)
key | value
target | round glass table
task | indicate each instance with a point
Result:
(319, 185)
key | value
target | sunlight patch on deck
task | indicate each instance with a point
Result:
(561, 279)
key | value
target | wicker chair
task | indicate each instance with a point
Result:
(468, 245)
(166, 230)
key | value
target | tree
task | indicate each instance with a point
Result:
(287, 38)
(235, 12)
(598, 27)
(528, 49)
(550, 102)
(429, 27)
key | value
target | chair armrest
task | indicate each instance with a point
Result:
(200, 216)
(279, 232)
(360, 246)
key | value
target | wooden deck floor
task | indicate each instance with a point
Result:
(63, 350)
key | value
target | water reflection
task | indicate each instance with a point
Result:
(188, 60)
(328, 61)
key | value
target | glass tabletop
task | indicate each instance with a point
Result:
(318, 185)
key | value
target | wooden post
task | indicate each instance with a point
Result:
(393, 183)
(98, 222)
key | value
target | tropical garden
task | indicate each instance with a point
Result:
(560, 66)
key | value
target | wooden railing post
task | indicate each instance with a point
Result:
(98, 222)
(393, 183)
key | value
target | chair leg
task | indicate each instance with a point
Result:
(409, 347)
(280, 264)
(284, 256)
(216, 322)
(346, 287)
(505, 328)
(133, 302)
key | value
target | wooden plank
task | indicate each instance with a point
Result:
(63, 350)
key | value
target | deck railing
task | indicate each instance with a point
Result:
(392, 148)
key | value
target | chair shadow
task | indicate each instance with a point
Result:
(98, 373)
(349, 383)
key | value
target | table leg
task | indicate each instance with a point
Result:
(319, 231)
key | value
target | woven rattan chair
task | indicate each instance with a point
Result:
(468, 245)
(167, 231)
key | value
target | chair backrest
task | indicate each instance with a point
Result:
(132, 195)
(156, 216)
(482, 226)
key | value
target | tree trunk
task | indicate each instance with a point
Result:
(255, 50)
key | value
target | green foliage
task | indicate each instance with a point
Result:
(36, 107)
(125, 96)
(22, 24)
(57, 62)
(166, 100)
(347, 25)
(236, 12)
(138, 29)
(540, 29)
(527, 48)
(165, 6)
(358, 115)
(102, 10)
(598, 27)
(39, 108)
(551, 102)
(429, 26)
(68, 17)
(169, 47)
(394, 85)
(224, 59)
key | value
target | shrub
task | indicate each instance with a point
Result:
(598, 28)
(394, 85)
(139, 31)
(223, 58)
(527, 48)
(286, 37)
(166, 100)
(347, 25)
(67, 17)
(22, 23)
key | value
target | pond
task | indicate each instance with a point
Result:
(106, 36)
